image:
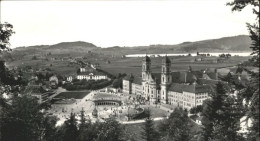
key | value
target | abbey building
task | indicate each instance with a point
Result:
(185, 89)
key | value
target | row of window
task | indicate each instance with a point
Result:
(201, 97)
(91, 77)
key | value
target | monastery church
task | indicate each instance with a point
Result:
(185, 89)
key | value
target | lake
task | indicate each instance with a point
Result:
(192, 54)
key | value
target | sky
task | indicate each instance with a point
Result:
(122, 23)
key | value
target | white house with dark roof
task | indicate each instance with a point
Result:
(89, 73)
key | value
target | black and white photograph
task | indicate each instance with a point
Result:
(129, 70)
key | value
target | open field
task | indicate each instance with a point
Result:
(133, 65)
(75, 95)
(123, 65)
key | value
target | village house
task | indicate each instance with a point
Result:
(39, 92)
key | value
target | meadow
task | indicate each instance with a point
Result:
(179, 63)
(118, 64)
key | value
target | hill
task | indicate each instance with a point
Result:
(239, 43)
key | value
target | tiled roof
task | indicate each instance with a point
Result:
(202, 81)
(137, 80)
(212, 75)
(205, 76)
(191, 76)
(176, 87)
(88, 72)
(129, 77)
(198, 74)
(187, 77)
(190, 88)
(203, 89)
(175, 77)
(157, 77)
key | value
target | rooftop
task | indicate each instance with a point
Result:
(91, 72)
(193, 88)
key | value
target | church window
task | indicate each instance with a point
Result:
(163, 69)
(163, 79)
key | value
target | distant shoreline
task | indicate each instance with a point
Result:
(192, 54)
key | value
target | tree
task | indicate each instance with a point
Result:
(23, 120)
(70, 128)
(221, 115)
(111, 130)
(6, 31)
(229, 78)
(196, 110)
(150, 134)
(117, 83)
(50, 131)
(239, 69)
(82, 126)
(177, 127)
(228, 122)
(252, 97)
(90, 131)
(209, 113)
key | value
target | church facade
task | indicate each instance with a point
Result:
(184, 89)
